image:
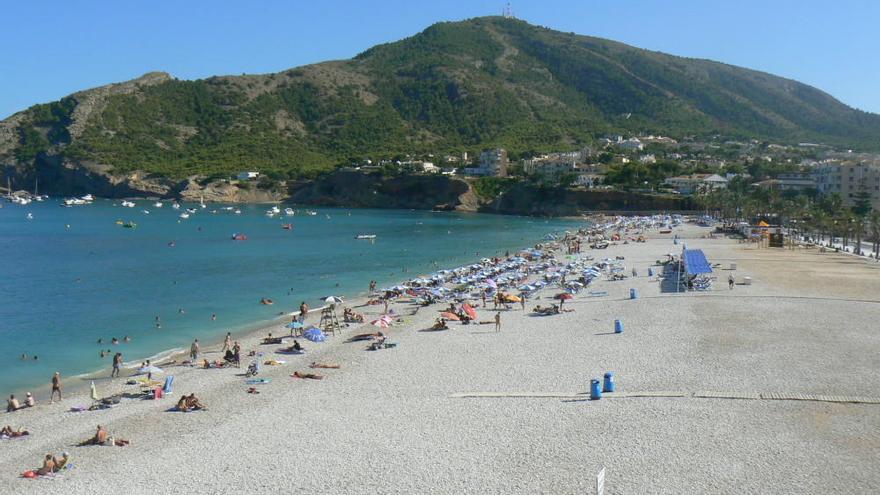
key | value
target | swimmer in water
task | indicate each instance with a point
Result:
(213, 317)
(127, 339)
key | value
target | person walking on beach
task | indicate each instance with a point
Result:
(730, 282)
(522, 301)
(498, 321)
(117, 362)
(303, 311)
(227, 344)
(194, 350)
(56, 387)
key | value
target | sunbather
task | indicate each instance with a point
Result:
(8, 432)
(101, 437)
(48, 466)
(12, 404)
(440, 324)
(193, 403)
(324, 365)
(61, 463)
(311, 376)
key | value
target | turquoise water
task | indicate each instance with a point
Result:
(65, 287)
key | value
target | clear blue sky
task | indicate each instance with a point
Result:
(54, 47)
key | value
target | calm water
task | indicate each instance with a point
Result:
(64, 287)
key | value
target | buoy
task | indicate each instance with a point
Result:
(608, 383)
(618, 326)
(595, 391)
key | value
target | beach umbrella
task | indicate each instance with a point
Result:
(333, 299)
(381, 323)
(564, 296)
(294, 324)
(450, 316)
(149, 369)
(469, 310)
(94, 392)
(491, 283)
(315, 335)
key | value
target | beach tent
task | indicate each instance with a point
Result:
(695, 262)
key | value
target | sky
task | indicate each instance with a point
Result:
(52, 48)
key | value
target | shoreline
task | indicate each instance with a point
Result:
(79, 384)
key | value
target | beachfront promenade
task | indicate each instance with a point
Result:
(403, 420)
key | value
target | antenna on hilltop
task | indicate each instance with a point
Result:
(508, 12)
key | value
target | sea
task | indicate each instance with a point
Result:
(72, 276)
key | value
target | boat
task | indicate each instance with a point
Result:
(239, 237)
(176, 206)
(266, 301)
(237, 212)
(184, 215)
(128, 204)
(287, 226)
(30, 216)
(146, 212)
(311, 212)
(158, 204)
(191, 210)
(129, 225)
(365, 236)
(87, 198)
(289, 212)
(275, 209)
(270, 213)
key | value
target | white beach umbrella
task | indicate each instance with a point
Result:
(149, 369)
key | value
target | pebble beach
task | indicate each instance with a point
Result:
(718, 391)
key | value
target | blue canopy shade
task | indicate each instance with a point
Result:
(695, 262)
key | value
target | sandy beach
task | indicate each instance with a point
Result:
(471, 410)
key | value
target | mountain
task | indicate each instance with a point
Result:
(455, 86)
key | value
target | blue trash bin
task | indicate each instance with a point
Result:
(633, 294)
(608, 383)
(618, 326)
(595, 391)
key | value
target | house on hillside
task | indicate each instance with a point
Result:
(689, 184)
(248, 175)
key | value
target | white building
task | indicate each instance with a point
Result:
(248, 175)
(689, 184)
(430, 168)
(631, 144)
(492, 163)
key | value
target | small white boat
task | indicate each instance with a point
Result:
(176, 206)
(365, 236)
(191, 210)
(87, 197)
(30, 216)
(184, 215)
(270, 213)
(275, 209)
(289, 212)
(311, 212)
(128, 204)
(146, 212)
(237, 212)
(158, 204)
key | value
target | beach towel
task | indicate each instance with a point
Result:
(258, 381)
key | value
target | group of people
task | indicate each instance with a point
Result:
(12, 403)
(51, 464)
(351, 316)
(189, 403)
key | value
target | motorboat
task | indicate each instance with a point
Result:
(88, 198)
(191, 210)
(184, 215)
(176, 206)
(158, 204)
(239, 237)
(289, 212)
(128, 204)
(365, 236)
(237, 212)
(275, 209)
(287, 226)
(311, 213)
(146, 212)
(30, 216)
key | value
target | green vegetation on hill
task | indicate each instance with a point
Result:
(456, 86)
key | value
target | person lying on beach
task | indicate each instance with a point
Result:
(271, 340)
(8, 432)
(325, 366)
(12, 404)
(310, 376)
(362, 336)
(101, 437)
(440, 324)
